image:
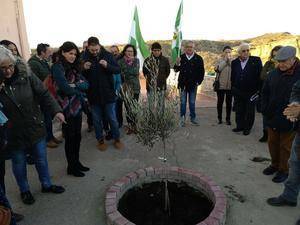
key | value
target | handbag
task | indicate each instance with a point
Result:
(5, 215)
(51, 86)
(216, 84)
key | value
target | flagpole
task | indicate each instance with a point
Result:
(177, 39)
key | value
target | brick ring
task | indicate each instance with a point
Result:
(150, 174)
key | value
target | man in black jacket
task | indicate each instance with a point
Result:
(99, 68)
(245, 79)
(163, 69)
(275, 98)
(289, 196)
(191, 68)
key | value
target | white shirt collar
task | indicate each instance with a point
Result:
(244, 63)
(190, 57)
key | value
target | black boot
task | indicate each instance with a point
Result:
(75, 172)
(27, 198)
(82, 168)
(18, 217)
(279, 201)
(228, 122)
(264, 138)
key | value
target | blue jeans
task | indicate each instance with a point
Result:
(292, 185)
(48, 125)
(191, 94)
(39, 153)
(109, 110)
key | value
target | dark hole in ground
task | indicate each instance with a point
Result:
(144, 205)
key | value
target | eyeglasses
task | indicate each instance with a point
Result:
(246, 50)
(129, 50)
(10, 67)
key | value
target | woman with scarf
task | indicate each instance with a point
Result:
(22, 95)
(71, 87)
(130, 66)
(15, 51)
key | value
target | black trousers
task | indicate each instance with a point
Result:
(72, 132)
(119, 111)
(221, 96)
(89, 118)
(245, 113)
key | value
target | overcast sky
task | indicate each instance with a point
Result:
(56, 21)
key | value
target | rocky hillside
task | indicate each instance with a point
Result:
(260, 46)
(210, 50)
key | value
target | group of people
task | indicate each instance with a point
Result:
(64, 84)
(273, 90)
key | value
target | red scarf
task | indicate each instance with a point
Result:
(128, 61)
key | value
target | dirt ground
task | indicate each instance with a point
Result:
(209, 148)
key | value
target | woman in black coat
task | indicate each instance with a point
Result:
(22, 95)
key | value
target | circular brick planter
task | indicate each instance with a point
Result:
(192, 178)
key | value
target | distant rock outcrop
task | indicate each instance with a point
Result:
(260, 46)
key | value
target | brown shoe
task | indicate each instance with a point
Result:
(129, 131)
(57, 140)
(101, 145)
(52, 144)
(118, 144)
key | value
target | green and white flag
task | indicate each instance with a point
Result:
(177, 37)
(137, 40)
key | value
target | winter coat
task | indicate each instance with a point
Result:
(267, 68)
(223, 69)
(71, 87)
(130, 75)
(191, 72)
(3, 135)
(101, 81)
(246, 82)
(39, 67)
(163, 72)
(295, 98)
(22, 97)
(276, 95)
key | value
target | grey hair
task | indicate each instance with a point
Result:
(242, 47)
(189, 42)
(6, 54)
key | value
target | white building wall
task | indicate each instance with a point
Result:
(12, 25)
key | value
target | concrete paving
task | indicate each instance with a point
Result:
(210, 148)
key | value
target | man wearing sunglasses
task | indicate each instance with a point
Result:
(245, 79)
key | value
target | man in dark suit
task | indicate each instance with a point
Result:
(245, 78)
(191, 68)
